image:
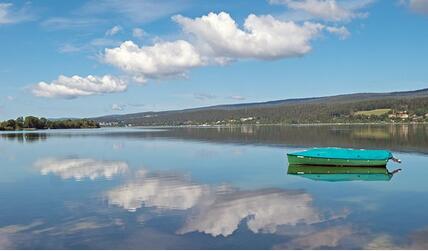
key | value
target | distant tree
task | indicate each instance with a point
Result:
(43, 123)
(20, 122)
(31, 122)
(11, 123)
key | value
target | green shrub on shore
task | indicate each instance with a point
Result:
(31, 122)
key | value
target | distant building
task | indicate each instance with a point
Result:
(400, 115)
(403, 115)
(246, 119)
(109, 123)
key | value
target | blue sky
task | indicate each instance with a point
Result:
(157, 55)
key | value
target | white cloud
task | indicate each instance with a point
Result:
(91, 46)
(69, 48)
(216, 39)
(10, 15)
(94, 13)
(237, 97)
(161, 191)
(4, 13)
(103, 42)
(330, 10)
(263, 37)
(79, 169)
(117, 107)
(160, 60)
(75, 86)
(113, 30)
(342, 32)
(140, 11)
(58, 23)
(138, 33)
(203, 96)
(10, 98)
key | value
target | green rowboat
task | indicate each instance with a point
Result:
(332, 156)
(344, 173)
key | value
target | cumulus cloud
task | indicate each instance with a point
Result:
(79, 169)
(160, 60)
(76, 86)
(160, 191)
(263, 37)
(330, 10)
(215, 39)
(10, 15)
(113, 30)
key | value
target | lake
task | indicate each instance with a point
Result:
(207, 188)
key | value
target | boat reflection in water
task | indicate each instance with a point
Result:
(342, 173)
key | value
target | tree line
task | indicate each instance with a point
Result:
(337, 111)
(31, 122)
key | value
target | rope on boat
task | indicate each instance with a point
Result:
(395, 171)
(396, 160)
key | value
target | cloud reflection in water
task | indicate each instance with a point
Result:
(79, 169)
(161, 191)
(263, 210)
(216, 210)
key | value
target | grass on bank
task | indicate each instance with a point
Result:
(375, 112)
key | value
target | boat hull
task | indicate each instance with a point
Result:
(305, 160)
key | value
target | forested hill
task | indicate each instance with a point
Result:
(359, 107)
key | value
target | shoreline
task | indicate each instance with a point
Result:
(219, 126)
(306, 124)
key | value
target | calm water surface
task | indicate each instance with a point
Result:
(209, 188)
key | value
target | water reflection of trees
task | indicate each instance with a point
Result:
(395, 137)
(24, 137)
(402, 137)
